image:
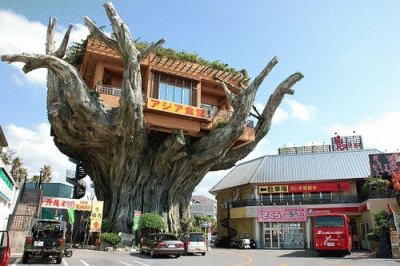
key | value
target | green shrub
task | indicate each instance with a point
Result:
(106, 226)
(111, 238)
(151, 223)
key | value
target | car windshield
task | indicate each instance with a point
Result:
(168, 237)
(329, 221)
(197, 238)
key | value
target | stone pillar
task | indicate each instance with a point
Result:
(308, 232)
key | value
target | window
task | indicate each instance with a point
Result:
(174, 89)
(298, 197)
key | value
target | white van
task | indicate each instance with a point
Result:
(194, 243)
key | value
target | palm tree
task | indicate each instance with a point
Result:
(6, 157)
(46, 173)
(35, 179)
(15, 166)
(22, 174)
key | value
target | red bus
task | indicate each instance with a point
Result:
(331, 232)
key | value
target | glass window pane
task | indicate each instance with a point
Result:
(186, 96)
(163, 91)
(170, 93)
(178, 95)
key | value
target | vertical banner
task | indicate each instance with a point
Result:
(136, 219)
(71, 216)
(97, 216)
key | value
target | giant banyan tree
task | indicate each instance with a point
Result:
(114, 146)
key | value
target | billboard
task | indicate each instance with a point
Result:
(341, 143)
(384, 163)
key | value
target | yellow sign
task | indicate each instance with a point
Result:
(96, 217)
(273, 189)
(176, 108)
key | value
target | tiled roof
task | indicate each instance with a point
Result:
(323, 166)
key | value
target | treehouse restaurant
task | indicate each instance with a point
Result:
(272, 199)
(177, 94)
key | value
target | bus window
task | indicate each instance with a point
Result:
(329, 221)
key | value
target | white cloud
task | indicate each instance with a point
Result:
(379, 132)
(19, 35)
(300, 111)
(280, 115)
(36, 148)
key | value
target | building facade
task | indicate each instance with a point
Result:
(8, 188)
(202, 205)
(272, 199)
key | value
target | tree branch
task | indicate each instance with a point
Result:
(150, 49)
(231, 97)
(50, 35)
(123, 37)
(64, 43)
(252, 88)
(101, 34)
(263, 125)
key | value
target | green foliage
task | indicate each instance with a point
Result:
(106, 226)
(151, 223)
(382, 225)
(374, 184)
(221, 123)
(111, 238)
(75, 53)
(199, 219)
(187, 223)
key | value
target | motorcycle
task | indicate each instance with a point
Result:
(244, 243)
(68, 251)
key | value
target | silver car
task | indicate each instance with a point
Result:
(194, 243)
(162, 244)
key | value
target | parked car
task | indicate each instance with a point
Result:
(45, 238)
(194, 243)
(161, 244)
(4, 248)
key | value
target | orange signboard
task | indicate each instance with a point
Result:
(176, 108)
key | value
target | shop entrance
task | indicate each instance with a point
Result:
(283, 235)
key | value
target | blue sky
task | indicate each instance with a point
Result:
(348, 51)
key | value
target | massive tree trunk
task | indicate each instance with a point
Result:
(131, 168)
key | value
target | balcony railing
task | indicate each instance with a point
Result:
(108, 90)
(303, 201)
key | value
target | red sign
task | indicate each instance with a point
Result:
(282, 214)
(354, 209)
(320, 187)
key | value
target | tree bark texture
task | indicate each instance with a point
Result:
(131, 168)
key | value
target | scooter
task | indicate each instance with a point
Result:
(244, 243)
(68, 251)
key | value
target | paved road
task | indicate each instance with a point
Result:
(217, 256)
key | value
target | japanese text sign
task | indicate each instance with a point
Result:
(273, 189)
(96, 217)
(171, 107)
(305, 187)
(284, 214)
(65, 203)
